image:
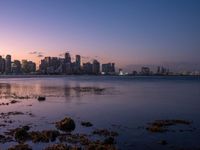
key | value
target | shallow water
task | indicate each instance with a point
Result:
(126, 105)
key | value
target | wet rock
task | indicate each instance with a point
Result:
(44, 136)
(105, 132)
(57, 147)
(162, 142)
(67, 125)
(27, 128)
(154, 128)
(4, 139)
(14, 101)
(2, 125)
(20, 147)
(21, 134)
(161, 125)
(86, 124)
(41, 98)
(109, 141)
(100, 146)
(3, 115)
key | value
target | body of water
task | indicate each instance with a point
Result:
(124, 104)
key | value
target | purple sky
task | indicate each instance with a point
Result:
(135, 32)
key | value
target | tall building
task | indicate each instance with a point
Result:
(78, 64)
(8, 64)
(2, 65)
(145, 71)
(108, 68)
(31, 67)
(16, 67)
(67, 58)
(24, 66)
(78, 61)
(87, 68)
(96, 67)
(28, 66)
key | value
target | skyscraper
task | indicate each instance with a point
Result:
(87, 68)
(16, 67)
(67, 58)
(8, 64)
(78, 63)
(1, 65)
(108, 68)
(96, 67)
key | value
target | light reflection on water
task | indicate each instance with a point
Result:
(125, 105)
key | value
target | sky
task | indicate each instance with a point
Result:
(127, 32)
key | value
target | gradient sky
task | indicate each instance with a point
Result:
(126, 32)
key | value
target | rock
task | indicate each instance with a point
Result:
(41, 98)
(21, 134)
(162, 125)
(26, 128)
(86, 124)
(109, 141)
(14, 101)
(20, 147)
(162, 142)
(4, 139)
(105, 132)
(57, 147)
(67, 125)
(44, 136)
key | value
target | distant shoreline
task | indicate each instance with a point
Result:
(55, 76)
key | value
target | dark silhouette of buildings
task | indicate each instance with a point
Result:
(95, 67)
(162, 71)
(16, 67)
(8, 64)
(145, 71)
(108, 68)
(87, 68)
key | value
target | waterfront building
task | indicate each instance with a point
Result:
(87, 68)
(28, 66)
(145, 71)
(16, 67)
(162, 71)
(96, 67)
(121, 72)
(8, 64)
(108, 68)
(78, 63)
(2, 65)
(67, 58)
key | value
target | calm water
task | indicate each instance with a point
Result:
(126, 106)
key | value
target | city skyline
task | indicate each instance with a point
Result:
(66, 65)
(129, 33)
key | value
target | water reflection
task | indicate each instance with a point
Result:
(13, 90)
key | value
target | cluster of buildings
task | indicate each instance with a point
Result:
(56, 65)
(7, 66)
(145, 71)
